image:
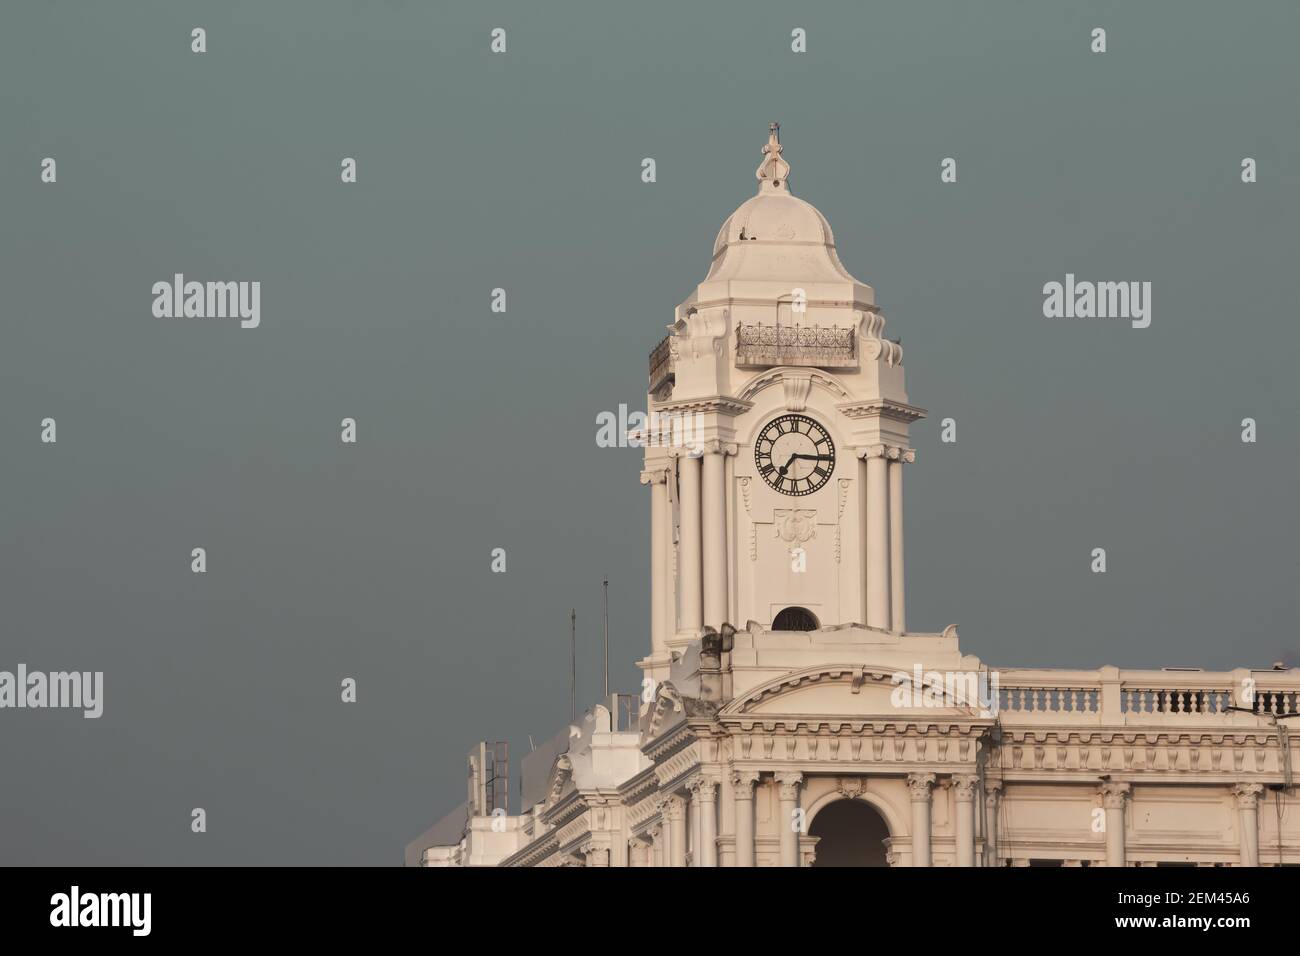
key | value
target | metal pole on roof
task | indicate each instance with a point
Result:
(607, 640)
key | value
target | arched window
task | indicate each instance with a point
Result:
(795, 619)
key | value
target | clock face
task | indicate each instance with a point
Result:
(794, 455)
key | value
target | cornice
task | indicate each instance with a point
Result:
(885, 408)
(658, 748)
(1178, 753)
(714, 404)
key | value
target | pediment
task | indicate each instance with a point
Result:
(861, 691)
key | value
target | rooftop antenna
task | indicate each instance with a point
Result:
(573, 664)
(606, 638)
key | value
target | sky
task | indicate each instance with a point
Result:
(476, 429)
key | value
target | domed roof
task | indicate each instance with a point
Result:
(775, 235)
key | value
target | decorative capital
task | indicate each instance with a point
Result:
(789, 782)
(888, 452)
(1113, 794)
(964, 785)
(773, 171)
(920, 785)
(716, 446)
(992, 788)
(744, 780)
(673, 810)
(1247, 795)
(704, 789)
(654, 476)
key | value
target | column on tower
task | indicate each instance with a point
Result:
(920, 785)
(877, 538)
(690, 544)
(708, 790)
(1113, 796)
(675, 813)
(693, 811)
(788, 784)
(964, 799)
(742, 784)
(1247, 800)
(714, 524)
(897, 604)
(660, 620)
(992, 795)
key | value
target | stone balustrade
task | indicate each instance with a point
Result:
(1111, 696)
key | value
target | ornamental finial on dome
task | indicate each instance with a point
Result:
(773, 171)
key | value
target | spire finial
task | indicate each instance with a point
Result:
(773, 171)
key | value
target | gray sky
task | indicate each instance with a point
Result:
(477, 430)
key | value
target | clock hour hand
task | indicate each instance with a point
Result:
(798, 457)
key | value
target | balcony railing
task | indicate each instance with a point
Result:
(1139, 697)
(661, 364)
(762, 346)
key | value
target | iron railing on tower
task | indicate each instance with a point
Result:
(661, 364)
(763, 346)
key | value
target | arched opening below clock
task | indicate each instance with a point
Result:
(850, 833)
(795, 619)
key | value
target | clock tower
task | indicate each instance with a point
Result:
(777, 490)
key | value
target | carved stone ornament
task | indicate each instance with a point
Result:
(795, 525)
(797, 388)
(851, 787)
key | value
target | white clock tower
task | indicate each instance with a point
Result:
(789, 718)
(778, 497)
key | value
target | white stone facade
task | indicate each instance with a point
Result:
(821, 730)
